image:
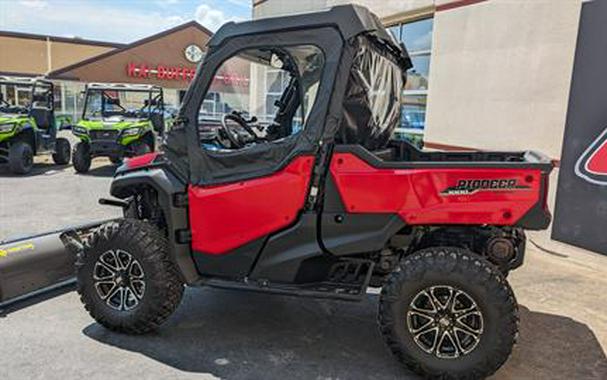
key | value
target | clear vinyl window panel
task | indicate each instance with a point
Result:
(270, 89)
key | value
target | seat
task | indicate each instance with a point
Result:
(43, 118)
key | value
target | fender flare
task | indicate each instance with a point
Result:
(26, 133)
(168, 187)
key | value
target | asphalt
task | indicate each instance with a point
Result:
(53, 196)
(562, 292)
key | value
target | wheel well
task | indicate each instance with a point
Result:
(144, 204)
(27, 135)
(156, 195)
(503, 246)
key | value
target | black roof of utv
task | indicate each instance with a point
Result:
(350, 20)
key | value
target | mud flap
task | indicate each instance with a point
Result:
(32, 265)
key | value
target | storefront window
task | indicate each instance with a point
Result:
(211, 106)
(57, 98)
(72, 100)
(395, 30)
(23, 96)
(417, 36)
(276, 82)
(417, 77)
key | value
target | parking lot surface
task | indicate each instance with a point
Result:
(235, 335)
(52, 196)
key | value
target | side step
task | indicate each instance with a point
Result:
(347, 281)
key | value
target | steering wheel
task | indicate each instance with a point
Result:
(242, 123)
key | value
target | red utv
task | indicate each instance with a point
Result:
(279, 176)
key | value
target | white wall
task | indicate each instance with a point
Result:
(500, 74)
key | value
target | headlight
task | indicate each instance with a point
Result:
(79, 130)
(130, 132)
(6, 128)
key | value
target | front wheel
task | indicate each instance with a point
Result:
(63, 152)
(447, 313)
(82, 157)
(126, 280)
(21, 158)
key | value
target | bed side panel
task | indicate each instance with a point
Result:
(474, 196)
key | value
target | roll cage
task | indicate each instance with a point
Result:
(340, 33)
(40, 91)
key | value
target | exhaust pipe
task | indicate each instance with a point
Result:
(33, 265)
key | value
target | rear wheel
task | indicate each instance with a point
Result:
(126, 279)
(21, 158)
(63, 152)
(82, 157)
(447, 313)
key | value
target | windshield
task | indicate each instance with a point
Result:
(266, 94)
(112, 104)
(15, 98)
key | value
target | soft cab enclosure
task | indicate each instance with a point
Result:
(337, 185)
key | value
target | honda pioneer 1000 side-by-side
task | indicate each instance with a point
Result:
(118, 120)
(27, 124)
(279, 175)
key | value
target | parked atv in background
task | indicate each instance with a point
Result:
(118, 121)
(63, 121)
(295, 188)
(27, 126)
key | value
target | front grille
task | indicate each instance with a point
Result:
(105, 135)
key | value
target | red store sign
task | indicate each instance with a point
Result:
(160, 72)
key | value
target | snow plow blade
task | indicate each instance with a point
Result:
(33, 265)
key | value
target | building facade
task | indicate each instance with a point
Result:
(168, 59)
(488, 74)
(33, 55)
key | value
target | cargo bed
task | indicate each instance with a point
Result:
(403, 155)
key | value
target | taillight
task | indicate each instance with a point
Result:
(143, 160)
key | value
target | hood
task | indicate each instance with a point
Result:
(6, 118)
(111, 123)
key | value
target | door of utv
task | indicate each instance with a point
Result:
(239, 198)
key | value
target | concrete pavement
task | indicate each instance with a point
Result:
(230, 335)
